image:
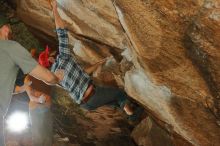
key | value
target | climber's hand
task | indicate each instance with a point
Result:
(101, 62)
(49, 2)
(53, 4)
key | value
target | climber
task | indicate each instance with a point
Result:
(76, 81)
(13, 56)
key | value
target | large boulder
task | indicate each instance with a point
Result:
(165, 54)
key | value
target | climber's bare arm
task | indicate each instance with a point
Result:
(58, 20)
(91, 69)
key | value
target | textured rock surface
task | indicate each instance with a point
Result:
(148, 133)
(165, 54)
(202, 41)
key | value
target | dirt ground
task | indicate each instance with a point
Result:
(105, 126)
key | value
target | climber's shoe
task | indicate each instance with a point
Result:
(136, 116)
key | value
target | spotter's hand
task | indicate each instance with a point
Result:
(42, 99)
(60, 74)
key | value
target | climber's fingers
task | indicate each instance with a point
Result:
(53, 3)
(49, 2)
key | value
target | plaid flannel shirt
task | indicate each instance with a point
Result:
(75, 80)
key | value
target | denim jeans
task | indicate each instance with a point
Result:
(105, 96)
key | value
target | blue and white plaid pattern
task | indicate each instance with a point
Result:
(75, 80)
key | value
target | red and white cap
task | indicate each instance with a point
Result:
(44, 57)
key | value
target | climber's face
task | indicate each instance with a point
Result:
(51, 60)
(52, 57)
(5, 32)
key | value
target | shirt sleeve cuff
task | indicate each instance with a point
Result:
(60, 30)
(30, 67)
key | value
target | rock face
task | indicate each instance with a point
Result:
(148, 133)
(164, 53)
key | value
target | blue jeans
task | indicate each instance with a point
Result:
(105, 96)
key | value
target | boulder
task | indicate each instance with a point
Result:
(165, 54)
